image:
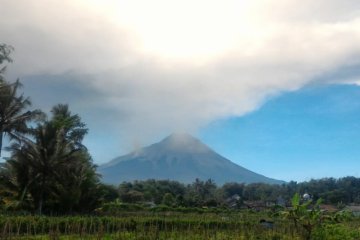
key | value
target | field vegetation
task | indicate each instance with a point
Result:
(242, 224)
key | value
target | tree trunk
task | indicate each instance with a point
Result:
(1, 141)
(40, 202)
(41, 199)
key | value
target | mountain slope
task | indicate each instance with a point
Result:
(179, 157)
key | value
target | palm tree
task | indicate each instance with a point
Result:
(13, 115)
(59, 169)
(42, 157)
(73, 128)
(5, 51)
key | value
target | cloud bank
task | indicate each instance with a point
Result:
(164, 66)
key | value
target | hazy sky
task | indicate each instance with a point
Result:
(138, 70)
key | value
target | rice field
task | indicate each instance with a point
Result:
(212, 226)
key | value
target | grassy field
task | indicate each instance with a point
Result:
(237, 225)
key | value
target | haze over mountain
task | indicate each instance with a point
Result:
(179, 157)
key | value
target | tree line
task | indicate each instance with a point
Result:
(206, 193)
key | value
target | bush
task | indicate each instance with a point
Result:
(116, 207)
(335, 232)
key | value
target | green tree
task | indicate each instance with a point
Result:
(59, 171)
(304, 215)
(14, 115)
(199, 193)
(168, 199)
(5, 51)
(230, 189)
(132, 196)
(76, 186)
(107, 193)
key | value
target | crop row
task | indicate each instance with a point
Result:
(176, 226)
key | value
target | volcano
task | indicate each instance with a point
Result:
(179, 157)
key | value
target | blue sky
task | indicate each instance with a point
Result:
(311, 133)
(272, 85)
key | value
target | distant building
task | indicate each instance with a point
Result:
(149, 204)
(328, 208)
(233, 201)
(354, 209)
(306, 197)
(256, 205)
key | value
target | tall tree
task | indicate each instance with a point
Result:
(13, 107)
(14, 115)
(60, 170)
(5, 51)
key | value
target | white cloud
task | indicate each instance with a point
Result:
(177, 65)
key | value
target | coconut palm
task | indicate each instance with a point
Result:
(13, 115)
(5, 51)
(59, 169)
(43, 156)
(72, 127)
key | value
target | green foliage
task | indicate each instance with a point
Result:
(305, 215)
(14, 115)
(132, 196)
(116, 207)
(153, 190)
(206, 193)
(5, 51)
(168, 199)
(199, 193)
(107, 193)
(316, 223)
(335, 232)
(230, 189)
(165, 225)
(53, 167)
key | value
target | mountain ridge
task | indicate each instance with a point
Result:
(179, 157)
